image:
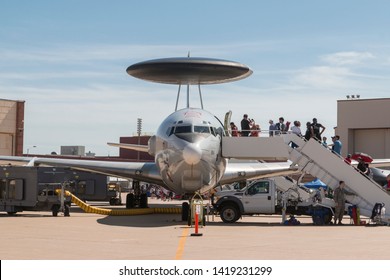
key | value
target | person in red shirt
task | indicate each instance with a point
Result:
(255, 129)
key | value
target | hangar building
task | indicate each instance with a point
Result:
(364, 126)
(11, 127)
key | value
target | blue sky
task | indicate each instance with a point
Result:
(67, 60)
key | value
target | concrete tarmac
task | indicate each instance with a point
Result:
(82, 236)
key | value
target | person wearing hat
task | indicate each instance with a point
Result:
(337, 145)
(339, 200)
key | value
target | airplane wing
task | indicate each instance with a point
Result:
(140, 148)
(142, 171)
(380, 162)
(239, 171)
(385, 162)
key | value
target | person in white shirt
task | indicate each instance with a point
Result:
(296, 129)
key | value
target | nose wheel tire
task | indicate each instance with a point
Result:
(185, 211)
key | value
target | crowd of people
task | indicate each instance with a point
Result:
(158, 192)
(249, 128)
(314, 129)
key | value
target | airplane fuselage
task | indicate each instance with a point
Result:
(187, 150)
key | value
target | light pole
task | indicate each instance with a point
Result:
(28, 149)
(139, 129)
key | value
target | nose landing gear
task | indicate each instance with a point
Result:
(192, 209)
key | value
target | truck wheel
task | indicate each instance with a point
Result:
(185, 210)
(229, 213)
(328, 218)
(321, 216)
(204, 213)
(67, 210)
(317, 220)
(55, 208)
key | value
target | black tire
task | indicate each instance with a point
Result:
(203, 217)
(130, 201)
(322, 216)
(328, 218)
(54, 209)
(67, 210)
(185, 210)
(317, 220)
(143, 202)
(229, 213)
(11, 213)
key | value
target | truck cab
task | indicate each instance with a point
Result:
(278, 195)
(258, 197)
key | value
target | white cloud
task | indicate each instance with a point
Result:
(324, 77)
(347, 58)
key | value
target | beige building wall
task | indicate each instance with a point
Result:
(364, 126)
(11, 127)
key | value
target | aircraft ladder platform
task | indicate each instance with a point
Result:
(313, 158)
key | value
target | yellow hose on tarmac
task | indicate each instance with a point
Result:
(119, 212)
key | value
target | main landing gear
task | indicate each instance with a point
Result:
(137, 199)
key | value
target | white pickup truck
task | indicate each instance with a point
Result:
(278, 195)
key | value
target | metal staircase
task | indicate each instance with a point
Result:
(313, 158)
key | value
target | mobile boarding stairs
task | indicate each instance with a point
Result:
(313, 158)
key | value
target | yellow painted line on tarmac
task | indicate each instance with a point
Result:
(182, 243)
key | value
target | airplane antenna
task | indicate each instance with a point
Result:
(177, 99)
(200, 97)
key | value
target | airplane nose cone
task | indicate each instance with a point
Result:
(192, 154)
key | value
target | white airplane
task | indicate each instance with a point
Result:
(187, 145)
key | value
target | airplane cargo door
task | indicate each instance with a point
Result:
(375, 142)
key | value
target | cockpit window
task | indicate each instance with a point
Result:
(201, 129)
(170, 131)
(183, 129)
